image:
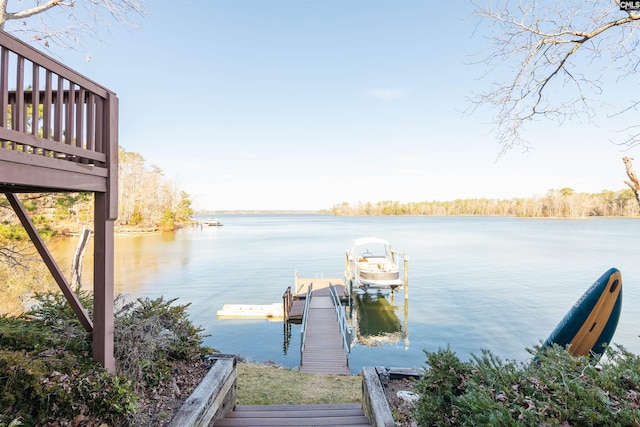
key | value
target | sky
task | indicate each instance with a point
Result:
(304, 104)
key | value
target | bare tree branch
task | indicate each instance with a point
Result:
(27, 13)
(15, 255)
(551, 45)
(75, 19)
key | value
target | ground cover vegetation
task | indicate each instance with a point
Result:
(557, 390)
(48, 378)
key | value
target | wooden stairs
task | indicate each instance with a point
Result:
(342, 414)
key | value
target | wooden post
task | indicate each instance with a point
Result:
(103, 284)
(287, 300)
(347, 268)
(284, 308)
(406, 324)
(406, 277)
(105, 213)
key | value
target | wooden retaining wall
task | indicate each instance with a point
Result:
(213, 398)
(374, 401)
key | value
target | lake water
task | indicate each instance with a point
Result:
(475, 283)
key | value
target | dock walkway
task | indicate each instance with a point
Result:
(323, 350)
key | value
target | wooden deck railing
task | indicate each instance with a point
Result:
(54, 119)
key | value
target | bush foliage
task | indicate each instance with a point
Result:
(150, 334)
(557, 390)
(47, 373)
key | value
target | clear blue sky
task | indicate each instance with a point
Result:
(303, 104)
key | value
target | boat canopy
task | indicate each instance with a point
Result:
(370, 241)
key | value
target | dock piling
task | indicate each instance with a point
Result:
(406, 276)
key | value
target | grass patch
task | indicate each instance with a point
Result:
(269, 385)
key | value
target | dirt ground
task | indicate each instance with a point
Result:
(158, 406)
(400, 408)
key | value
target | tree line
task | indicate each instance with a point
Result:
(557, 203)
(146, 199)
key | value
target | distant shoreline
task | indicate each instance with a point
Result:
(263, 211)
(325, 212)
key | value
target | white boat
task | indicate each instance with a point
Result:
(214, 222)
(373, 263)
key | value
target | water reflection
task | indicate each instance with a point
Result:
(138, 258)
(286, 333)
(375, 319)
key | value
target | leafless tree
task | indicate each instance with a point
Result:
(632, 182)
(552, 44)
(64, 22)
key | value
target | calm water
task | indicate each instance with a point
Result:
(474, 283)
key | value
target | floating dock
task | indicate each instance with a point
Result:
(271, 311)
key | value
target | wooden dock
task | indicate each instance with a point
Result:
(323, 350)
(320, 288)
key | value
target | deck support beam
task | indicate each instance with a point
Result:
(103, 283)
(51, 264)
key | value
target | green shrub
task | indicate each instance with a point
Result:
(59, 386)
(442, 383)
(46, 370)
(22, 393)
(558, 390)
(53, 314)
(17, 334)
(149, 334)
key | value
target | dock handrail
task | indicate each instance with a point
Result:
(345, 329)
(303, 327)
